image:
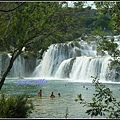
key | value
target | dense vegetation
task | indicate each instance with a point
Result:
(15, 106)
(30, 27)
(104, 103)
(71, 22)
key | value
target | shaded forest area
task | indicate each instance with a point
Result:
(88, 21)
(91, 21)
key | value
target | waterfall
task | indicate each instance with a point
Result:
(84, 67)
(64, 69)
(76, 60)
(57, 53)
(21, 67)
(18, 69)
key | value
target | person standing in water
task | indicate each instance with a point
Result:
(58, 94)
(40, 93)
(52, 95)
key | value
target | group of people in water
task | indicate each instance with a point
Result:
(51, 96)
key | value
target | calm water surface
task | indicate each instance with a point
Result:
(46, 107)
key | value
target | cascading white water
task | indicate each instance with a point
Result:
(18, 68)
(21, 67)
(64, 69)
(57, 53)
(84, 67)
(75, 61)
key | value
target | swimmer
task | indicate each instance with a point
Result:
(40, 93)
(52, 96)
(59, 94)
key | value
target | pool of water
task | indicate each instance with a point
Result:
(47, 107)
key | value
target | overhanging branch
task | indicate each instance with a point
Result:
(13, 8)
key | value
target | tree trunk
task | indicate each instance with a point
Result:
(6, 73)
(8, 68)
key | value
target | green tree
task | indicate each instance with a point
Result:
(112, 10)
(28, 27)
(101, 21)
(6, 11)
(103, 103)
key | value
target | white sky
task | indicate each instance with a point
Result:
(88, 2)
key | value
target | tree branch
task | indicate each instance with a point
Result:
(13, 8)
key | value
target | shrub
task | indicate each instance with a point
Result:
(15, 106)
(103, 103)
